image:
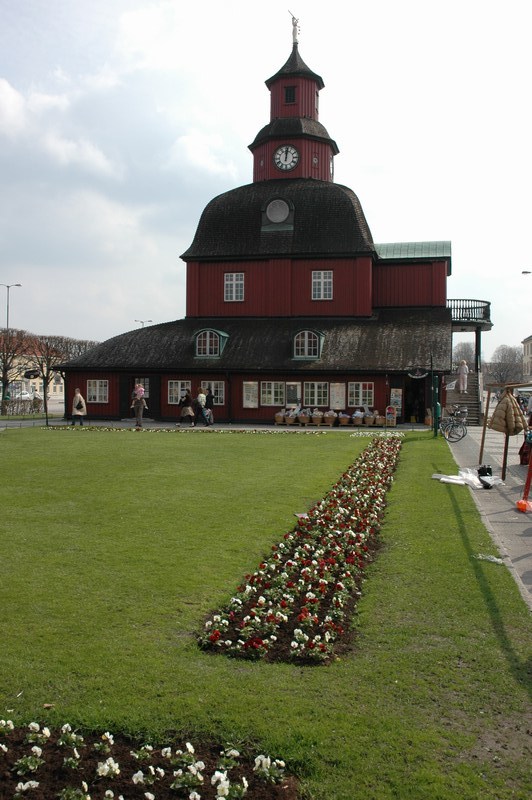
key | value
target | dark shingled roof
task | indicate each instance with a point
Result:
(292, 128)
(328, 222)
(295, 66)
(391, 341)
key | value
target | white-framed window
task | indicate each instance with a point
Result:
(234, 287)
(208, 343)
(306, 345)
(360, 393)
(272, 393)
(315, 393)
(218, 390)
(175, 389)
(97, 391)
(322, 284)
(145, 383)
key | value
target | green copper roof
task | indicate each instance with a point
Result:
(396, 250)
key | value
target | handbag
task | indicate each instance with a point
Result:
(79, 405)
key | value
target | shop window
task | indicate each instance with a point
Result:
(272, 393)
(97, 391)
(315, 393)
(360, 393)
(218, 390)
(175, 389)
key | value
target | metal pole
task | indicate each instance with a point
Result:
(8, 287)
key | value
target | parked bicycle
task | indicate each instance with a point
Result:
(454, 426)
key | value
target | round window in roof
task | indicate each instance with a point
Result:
(277, 211)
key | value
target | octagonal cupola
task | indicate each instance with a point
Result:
(294, 144)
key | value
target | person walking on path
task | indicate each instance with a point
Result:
(185, 405)
(462, 377)
(79, 409)
(199, 408)
(209, 405)
(138, 404)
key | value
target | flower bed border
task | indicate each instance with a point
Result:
(297, 605)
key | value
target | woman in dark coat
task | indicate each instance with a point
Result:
(185, 405)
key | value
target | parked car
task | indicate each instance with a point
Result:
(22, 396)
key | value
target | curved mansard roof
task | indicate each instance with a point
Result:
(328, 221)
(383, 343)
(294, 128)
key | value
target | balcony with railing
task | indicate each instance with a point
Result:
(470, 315)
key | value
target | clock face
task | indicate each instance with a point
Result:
(286, 157)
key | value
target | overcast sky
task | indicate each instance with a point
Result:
(121, 119)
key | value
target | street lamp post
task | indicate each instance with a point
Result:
(8, 287)
(143, 321)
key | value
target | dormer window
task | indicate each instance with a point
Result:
(210, 343)
(290, 94)
(307, 344)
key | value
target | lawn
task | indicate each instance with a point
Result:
(116, 546)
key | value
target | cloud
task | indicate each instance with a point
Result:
(203, 151)
(81, 153)
(12, 110)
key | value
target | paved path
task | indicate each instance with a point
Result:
(510, 529)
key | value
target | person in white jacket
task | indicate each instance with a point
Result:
(79, 409)
(462, 377)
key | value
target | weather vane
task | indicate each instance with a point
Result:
(295, 27)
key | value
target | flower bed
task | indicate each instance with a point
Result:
(297, 604)
(39, 764)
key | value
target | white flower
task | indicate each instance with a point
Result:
(66, 728)
(138, 777)
(37, 751)
(23, 787)
(149, 796)
(166, 752)
(46, 732)
(3, 748)
(109, 794)
(109, 767)
(262, 763)
(189, 747)
(218, 777)
(34, 727)
(194, 796)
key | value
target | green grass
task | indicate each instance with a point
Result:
(115, 546)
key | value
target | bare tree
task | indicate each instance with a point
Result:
(506, 365)
(47, 353)
(13, 350)
(76, 347)
(464, 351)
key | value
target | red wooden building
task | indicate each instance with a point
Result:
(289, 300)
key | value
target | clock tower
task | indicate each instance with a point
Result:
(294, 144)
